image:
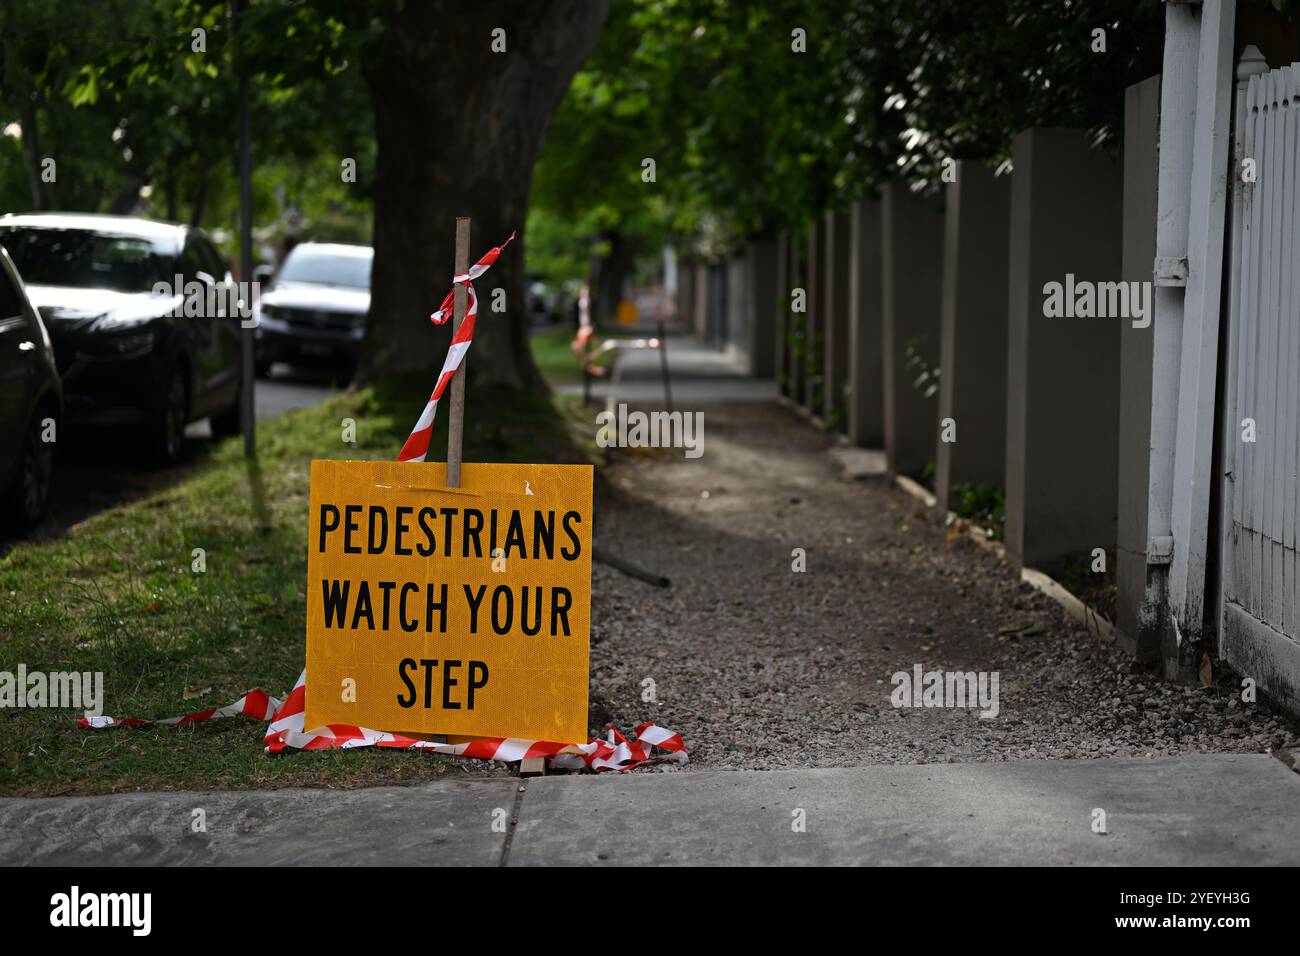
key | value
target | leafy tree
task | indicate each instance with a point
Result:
(961, 79)
(733, 118)
(590, 195)
(51, 107)
(763, 115)
(137, 106)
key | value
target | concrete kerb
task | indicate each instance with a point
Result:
(1220, 809)
(449, 822)
(1096, 624)
(795, 406)
(916, 490)
(858, 464)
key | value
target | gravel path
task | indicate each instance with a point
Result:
(761, 667)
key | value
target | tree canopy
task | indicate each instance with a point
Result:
(136, 105)
(762, 115)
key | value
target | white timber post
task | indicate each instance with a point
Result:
(1195, 115)
(1201, 306)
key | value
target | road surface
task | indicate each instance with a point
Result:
(95, 471)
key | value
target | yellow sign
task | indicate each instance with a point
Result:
(449, 610)
(628, 313)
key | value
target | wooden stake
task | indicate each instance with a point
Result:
(456, 416)
(532, 767)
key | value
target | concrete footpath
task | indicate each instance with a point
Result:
(1222, 809)
(698, 374)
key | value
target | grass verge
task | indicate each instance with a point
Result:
(118, 594)
(553, 353)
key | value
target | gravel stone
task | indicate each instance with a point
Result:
(761, 667)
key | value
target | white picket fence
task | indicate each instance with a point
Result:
(1260, 626)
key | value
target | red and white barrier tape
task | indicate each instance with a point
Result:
(257, 704)
(286, 732)
(417, 444)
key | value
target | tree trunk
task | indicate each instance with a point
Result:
(32, 154)
(169, 180)
(458, 128)
(610, 274)
(21, 91)
(126, 199)
(201, 196)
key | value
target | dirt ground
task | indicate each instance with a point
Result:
(760, 666)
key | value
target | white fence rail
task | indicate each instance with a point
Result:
(1260, 626)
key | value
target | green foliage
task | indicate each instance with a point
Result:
(835, 419)
(918, 363)
(751, 136)
(588, 180)
(139, 109)
(984, 504)
(559, 249)
(553, 352)
(748, 134)
(695, 86)
(960, 79)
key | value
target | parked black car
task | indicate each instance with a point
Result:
(143, 317)
(31, 405)
(315, 310)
